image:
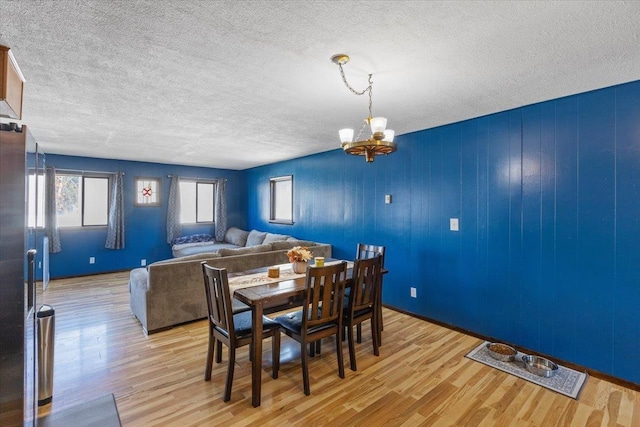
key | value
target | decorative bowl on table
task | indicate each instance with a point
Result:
(501, 351)
(540, 366)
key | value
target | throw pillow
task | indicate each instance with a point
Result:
(236, 236)
(255, 238)
(271, 237)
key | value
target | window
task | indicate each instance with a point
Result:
(281, 199)
(35, 202)
(197, 201)
(82, 200)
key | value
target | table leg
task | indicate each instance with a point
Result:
(256, 367)
(380, 325)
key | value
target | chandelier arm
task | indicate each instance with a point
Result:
(361, 129)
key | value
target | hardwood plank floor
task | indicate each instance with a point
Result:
(421, 377)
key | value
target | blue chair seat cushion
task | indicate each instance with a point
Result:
(242, 324)
(358, 313)
(293, 322)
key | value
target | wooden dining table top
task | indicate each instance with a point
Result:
(279, 291)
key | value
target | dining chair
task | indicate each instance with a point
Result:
(365, 251)
(321, 314)
(361, 304)
(232, 329)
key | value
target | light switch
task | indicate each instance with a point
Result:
(453, 224)
(387, 199)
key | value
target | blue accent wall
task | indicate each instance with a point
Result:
(548, 198)
(145, 227)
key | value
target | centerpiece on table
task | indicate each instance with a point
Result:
(299, 256)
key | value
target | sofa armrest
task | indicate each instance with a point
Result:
(138, 279)
(138, 286)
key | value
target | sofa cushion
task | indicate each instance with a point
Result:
(236, 236)
(195, 257)
(188, 249)
(271, 237)
(248, 250)
(306, 243)
(255, 238)
(279, 246)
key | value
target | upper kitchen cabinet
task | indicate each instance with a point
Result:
(11, 85)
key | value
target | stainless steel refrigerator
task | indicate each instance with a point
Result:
(21, 172)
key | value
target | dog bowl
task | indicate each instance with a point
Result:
(501, 351)
(540, 366)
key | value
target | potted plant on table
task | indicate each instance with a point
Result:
(299, 256)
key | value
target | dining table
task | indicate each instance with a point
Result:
(267, 294)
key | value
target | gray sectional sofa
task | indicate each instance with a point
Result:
(234, 238)
(170, 292)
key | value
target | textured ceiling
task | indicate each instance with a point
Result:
(236, 84)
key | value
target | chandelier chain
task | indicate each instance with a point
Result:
(355, 92)
(370, 96)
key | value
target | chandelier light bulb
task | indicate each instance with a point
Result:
(388, 135)
(378, 124)
(346, 135)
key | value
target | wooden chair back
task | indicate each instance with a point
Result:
(365, 281)
(219, 303)
(365, 251)
(324, 294)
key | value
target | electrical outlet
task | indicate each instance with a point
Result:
(414, 293)
(143, 262)
(92, 260)
(387, 199)
(454, 224)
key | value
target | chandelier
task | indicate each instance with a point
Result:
(381, 139)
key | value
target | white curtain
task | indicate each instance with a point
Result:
(174, 227)
(220, 219)
(51, 212)
(115, 229)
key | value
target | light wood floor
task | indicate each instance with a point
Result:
(420, 378)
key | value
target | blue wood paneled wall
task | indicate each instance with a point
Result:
(548, 198)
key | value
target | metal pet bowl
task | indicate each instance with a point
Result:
(501, 351)
(540, 366)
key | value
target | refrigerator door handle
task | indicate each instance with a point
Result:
(31, 277)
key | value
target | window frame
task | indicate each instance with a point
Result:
(83, 176)
(36, 200)
(197, 182)
(273, 200)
